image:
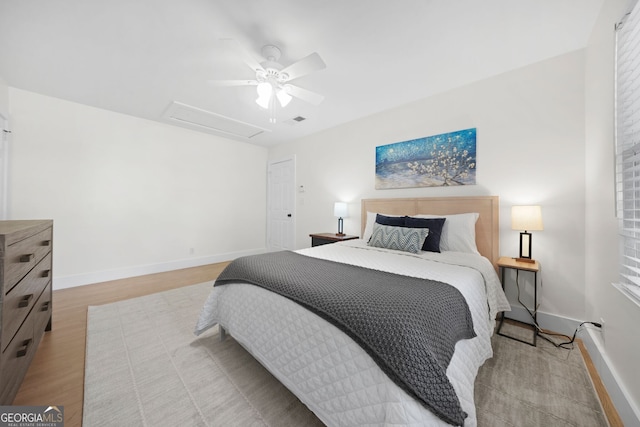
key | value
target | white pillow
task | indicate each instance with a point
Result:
(368, 228)
(458, 233)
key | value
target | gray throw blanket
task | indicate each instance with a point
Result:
(409, 326)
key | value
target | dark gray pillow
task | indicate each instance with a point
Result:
(432, 242)
(396, 221)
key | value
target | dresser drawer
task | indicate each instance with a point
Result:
(42, 311)
(14, 362)
(22, 256)
(21, 299)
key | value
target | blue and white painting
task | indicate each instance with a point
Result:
(433, 161)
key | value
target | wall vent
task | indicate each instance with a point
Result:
(206, 121)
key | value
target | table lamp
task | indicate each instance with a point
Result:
(527, 218)
(341, 211)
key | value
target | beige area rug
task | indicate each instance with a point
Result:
(535, 386)
(144, 367)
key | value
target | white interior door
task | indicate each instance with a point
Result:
(281, 205)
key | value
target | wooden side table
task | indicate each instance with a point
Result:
(318, 239)
(533, 267)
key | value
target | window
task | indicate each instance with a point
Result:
(627, 112)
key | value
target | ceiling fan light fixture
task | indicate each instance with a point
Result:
(264, 94)
(272, 78)
(263, 102)
(283, 97)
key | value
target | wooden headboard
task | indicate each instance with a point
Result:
(487, 235)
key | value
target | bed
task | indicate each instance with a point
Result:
(328, 367)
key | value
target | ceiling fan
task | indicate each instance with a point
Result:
(273, 79)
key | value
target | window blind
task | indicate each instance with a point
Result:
(627, 140)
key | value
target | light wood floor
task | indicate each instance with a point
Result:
(56, 375)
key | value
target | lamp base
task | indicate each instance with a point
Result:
(529, 260)
(340, 227)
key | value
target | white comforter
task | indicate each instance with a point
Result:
(326, 369)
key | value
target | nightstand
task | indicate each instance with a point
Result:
(531, 267)
(318, 239)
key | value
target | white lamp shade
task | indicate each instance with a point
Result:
(283, 97)
(264, 94)
(340, 210)
(528, 218)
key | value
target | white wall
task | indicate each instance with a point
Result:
(619, 345)
(4, 99)
(530, 149)
(130, 196)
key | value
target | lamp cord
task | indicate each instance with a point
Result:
(567, 345)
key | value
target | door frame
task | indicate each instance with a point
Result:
(5, 134)
(271, 162)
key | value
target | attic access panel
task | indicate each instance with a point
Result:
(203, 120)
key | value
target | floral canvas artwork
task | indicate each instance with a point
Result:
(433, 161)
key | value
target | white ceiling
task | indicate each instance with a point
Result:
(138, 56)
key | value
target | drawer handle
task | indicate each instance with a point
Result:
(45, 306)
(24, 302)
(46, 243)
(27, 258)
(22, 351)
(46, 273)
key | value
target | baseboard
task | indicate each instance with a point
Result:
(627, 410)
(552, 322)
(619, 396)
(141, 270)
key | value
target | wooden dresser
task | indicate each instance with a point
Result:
(25, 298)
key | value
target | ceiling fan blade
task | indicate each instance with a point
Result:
(304, 94)
(232, 82)
(306, 65)
(246, 56)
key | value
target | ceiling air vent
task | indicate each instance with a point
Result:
(295, 120)
(206, 121)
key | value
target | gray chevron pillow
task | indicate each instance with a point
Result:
(398, 238)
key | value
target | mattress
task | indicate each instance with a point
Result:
(326, 369)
